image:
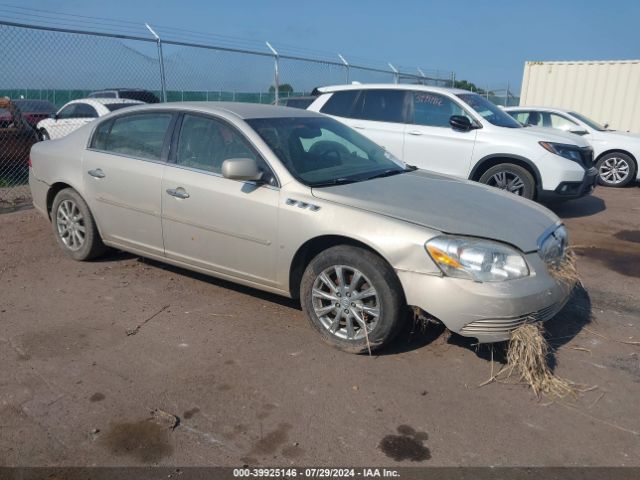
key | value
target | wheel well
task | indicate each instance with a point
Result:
(51, 194)
(309, 250)
(493, 161)
(617, 150)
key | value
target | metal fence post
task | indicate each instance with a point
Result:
(346, 65)
(396, 76)
(276, 73)
(163, 82)
(422, 75)
(453, 79)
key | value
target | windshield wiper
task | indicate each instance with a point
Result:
(389, 173)
(331, 183)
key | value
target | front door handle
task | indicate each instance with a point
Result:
(97, 173)
(359, 127)
(417, 133)
(178, 192)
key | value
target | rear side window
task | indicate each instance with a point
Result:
(381, 106)
(139, 136)
(84, 110)
(341, 104)
(112, 107)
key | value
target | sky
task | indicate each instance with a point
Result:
(484, 42)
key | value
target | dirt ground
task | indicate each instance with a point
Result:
(88, 350)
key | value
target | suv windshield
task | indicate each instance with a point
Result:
(588, 121)
(322, 152)
(487, 110)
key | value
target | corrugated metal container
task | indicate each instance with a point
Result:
(606, 91)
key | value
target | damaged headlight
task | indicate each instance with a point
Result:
(476, 259)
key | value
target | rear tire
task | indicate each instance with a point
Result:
(616, 169)
(345, 288)
(511, 178)
(74, 227)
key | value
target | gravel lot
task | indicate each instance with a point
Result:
(252, 383)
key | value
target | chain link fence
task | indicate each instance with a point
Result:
(43, 68)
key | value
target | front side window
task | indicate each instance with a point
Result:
(68, 112)
(560, 122)
(140, 136)
(322, 152)
(205, 143)
(434, 110)
(489, 111)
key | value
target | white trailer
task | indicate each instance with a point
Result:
(606, 91)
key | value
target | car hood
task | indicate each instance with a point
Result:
(554, 135)
(625, 138)
(448, 205)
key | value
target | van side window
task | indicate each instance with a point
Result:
(434, 110)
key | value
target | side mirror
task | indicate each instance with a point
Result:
(55, 116)
(244, 169)
(578, 130)
(606, 125)
(461, 123)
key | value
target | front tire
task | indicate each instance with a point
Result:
(616, 169)
(74, 227)
(512, 178)
(353, 298)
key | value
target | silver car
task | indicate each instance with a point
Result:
(292, 202)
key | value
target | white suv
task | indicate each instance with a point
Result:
(616, 153)
(460, 133)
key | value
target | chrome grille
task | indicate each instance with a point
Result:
(495, 326)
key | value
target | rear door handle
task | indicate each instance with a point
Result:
(417, 133)
(97, 173)
(178, 192)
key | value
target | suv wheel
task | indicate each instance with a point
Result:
(512, 178)
(74, 227)
(616, 170)
(353, 298)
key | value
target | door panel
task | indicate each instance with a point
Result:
(431, 143)
(124, 196)
(223, 225)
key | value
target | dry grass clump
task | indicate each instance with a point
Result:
(565, 271)
(527, 354)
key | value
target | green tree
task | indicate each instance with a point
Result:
(466, 85)
(284, 88)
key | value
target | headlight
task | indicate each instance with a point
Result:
(572, 152)
(553, 247)
(475, 259)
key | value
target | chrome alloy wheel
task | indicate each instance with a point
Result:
(507, 181)
(70, 223)
(345, 302)
(614, 170)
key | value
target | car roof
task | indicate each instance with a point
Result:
(390, 86)
(105, 101)
(242, 110)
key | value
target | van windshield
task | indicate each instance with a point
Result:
(489, 111)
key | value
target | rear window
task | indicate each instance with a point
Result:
(341, 103)
(112, 107)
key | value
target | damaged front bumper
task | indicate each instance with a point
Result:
(487, 311)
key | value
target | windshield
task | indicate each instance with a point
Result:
(487, 110)
(322, 152)
(589, 122)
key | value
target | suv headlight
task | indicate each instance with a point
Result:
(476, 259)
(572, 152)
